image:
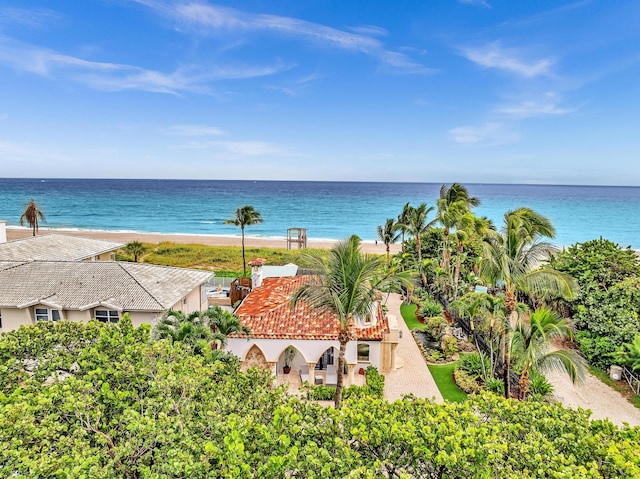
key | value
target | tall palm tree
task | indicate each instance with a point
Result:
(453, 204)
(403, 221)
(511, 259)
(245, 216)
(224, 323)
(32, 214)
(418, 225)
(388, 234)
(531, 342)
(347, 283)
(136, 249)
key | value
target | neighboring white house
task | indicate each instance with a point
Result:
(314, 334)
(81, 290)
(57, 247)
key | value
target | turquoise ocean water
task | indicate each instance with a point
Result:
(330, 210)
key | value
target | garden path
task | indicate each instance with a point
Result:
(413, 377)
(604, 402)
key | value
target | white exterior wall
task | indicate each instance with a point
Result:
(3, 231)
(374, 355)
(139, 318)
(309, 350)
(193, 302)
(77, 316)
(13, 318)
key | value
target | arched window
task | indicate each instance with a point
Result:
(363, 352)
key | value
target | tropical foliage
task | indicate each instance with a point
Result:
(129, 407)
(32, 215)
(348, 283)
(607, 310)
(245, 216)
(135, 249)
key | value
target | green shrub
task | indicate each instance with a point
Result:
(539, 385)
(319, 392)
(430, 308)
(374, 388)
(465, 382)
(449, 345)
(472, 364)
(495, 386)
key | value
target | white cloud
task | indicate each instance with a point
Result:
(194, 130)
(486, 134)
(508, 59)
(217, 20)
(548, 105)
(117, 77)
(371, 30)
(475, 3)
(30, 18)
(16, 152)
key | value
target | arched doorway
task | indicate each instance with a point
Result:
(254, 359)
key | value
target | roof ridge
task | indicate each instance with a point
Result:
(121, 264)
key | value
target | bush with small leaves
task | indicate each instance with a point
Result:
(465, 382)
(449, 345)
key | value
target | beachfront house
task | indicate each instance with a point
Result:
(57, 247)
(32, 291)
(305, 339)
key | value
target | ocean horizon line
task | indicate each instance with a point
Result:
(256, 180)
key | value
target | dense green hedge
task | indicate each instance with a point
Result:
(129, 407)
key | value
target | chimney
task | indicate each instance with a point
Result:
(256, 272)
(3, 231)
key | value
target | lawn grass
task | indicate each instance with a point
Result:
(620, 386)
(224, 260)
(442, 375)
(408, 312)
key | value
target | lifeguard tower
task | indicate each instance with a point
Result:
(297, 236)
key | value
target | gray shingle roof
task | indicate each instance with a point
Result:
(55, 247)
(74, 285)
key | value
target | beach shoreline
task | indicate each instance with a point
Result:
(14, 232)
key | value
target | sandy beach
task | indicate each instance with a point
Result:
(212, 240)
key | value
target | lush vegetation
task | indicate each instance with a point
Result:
(106, 401)
(224, 260)
(32, 215)
(374, 388)
(607, 309)
(408, 312)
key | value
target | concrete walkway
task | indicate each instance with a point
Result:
(603, 401)
(412, 375)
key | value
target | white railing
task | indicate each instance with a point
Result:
(632, 380)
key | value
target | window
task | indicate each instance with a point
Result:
(325, 360)
(106, 316)
(45, 314)
(0, 319)
(363, 352)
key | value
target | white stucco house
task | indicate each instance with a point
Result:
(314, 334)
(33, 291)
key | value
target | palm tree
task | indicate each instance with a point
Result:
(136, 249)
(388, 234)
(224, 323)
(454, 203)
(192, 331)
(418, 225)
(245, 216)
(403, 221)
(531, 341)
(512, 258)
(31, 215)
(347, 283)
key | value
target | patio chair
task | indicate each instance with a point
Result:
(331, 376)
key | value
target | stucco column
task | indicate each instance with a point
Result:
(393, 356)
(312, 372)
(351, 367)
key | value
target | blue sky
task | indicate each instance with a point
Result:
(426, 91)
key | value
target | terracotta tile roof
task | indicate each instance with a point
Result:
(267, 312)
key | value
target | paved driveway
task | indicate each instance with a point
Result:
(414, 376)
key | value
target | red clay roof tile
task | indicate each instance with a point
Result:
(267, 312)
